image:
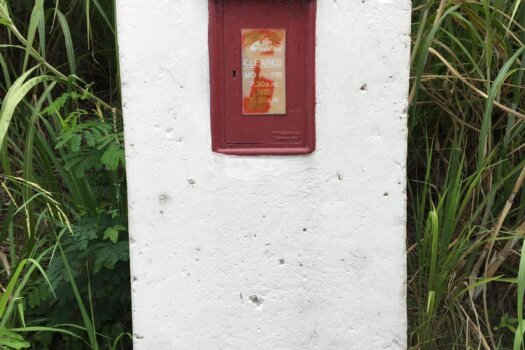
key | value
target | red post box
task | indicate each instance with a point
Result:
(262, 75)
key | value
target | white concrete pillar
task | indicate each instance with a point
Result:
(268, 252)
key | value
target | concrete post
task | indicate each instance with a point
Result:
(267, 252)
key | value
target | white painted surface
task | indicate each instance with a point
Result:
(318, 239)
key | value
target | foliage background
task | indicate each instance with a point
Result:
(466, 170)
(63, 211)
(63, 219)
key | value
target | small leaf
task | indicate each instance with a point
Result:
(75, 142)
(112, 234)
(113, 155)
(12, 340)
(57, 104)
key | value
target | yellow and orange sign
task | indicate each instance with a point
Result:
(263, 71)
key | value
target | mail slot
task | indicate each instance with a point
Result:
(262, 75)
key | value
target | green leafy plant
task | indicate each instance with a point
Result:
(63, 200)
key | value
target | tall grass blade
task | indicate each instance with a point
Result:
(36, 15)
(69, 42)
(88, 323)
(486, 124)
(15, 94)
(27, 169)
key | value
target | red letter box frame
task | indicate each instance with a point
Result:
(300, 118)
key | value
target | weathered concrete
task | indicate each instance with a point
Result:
(242, 253)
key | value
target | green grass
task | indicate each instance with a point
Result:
(466, 171)
(63, 217)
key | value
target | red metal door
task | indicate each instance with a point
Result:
(262, 61)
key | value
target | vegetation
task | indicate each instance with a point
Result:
(466, 171)
(63, 218)
(63, 237)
